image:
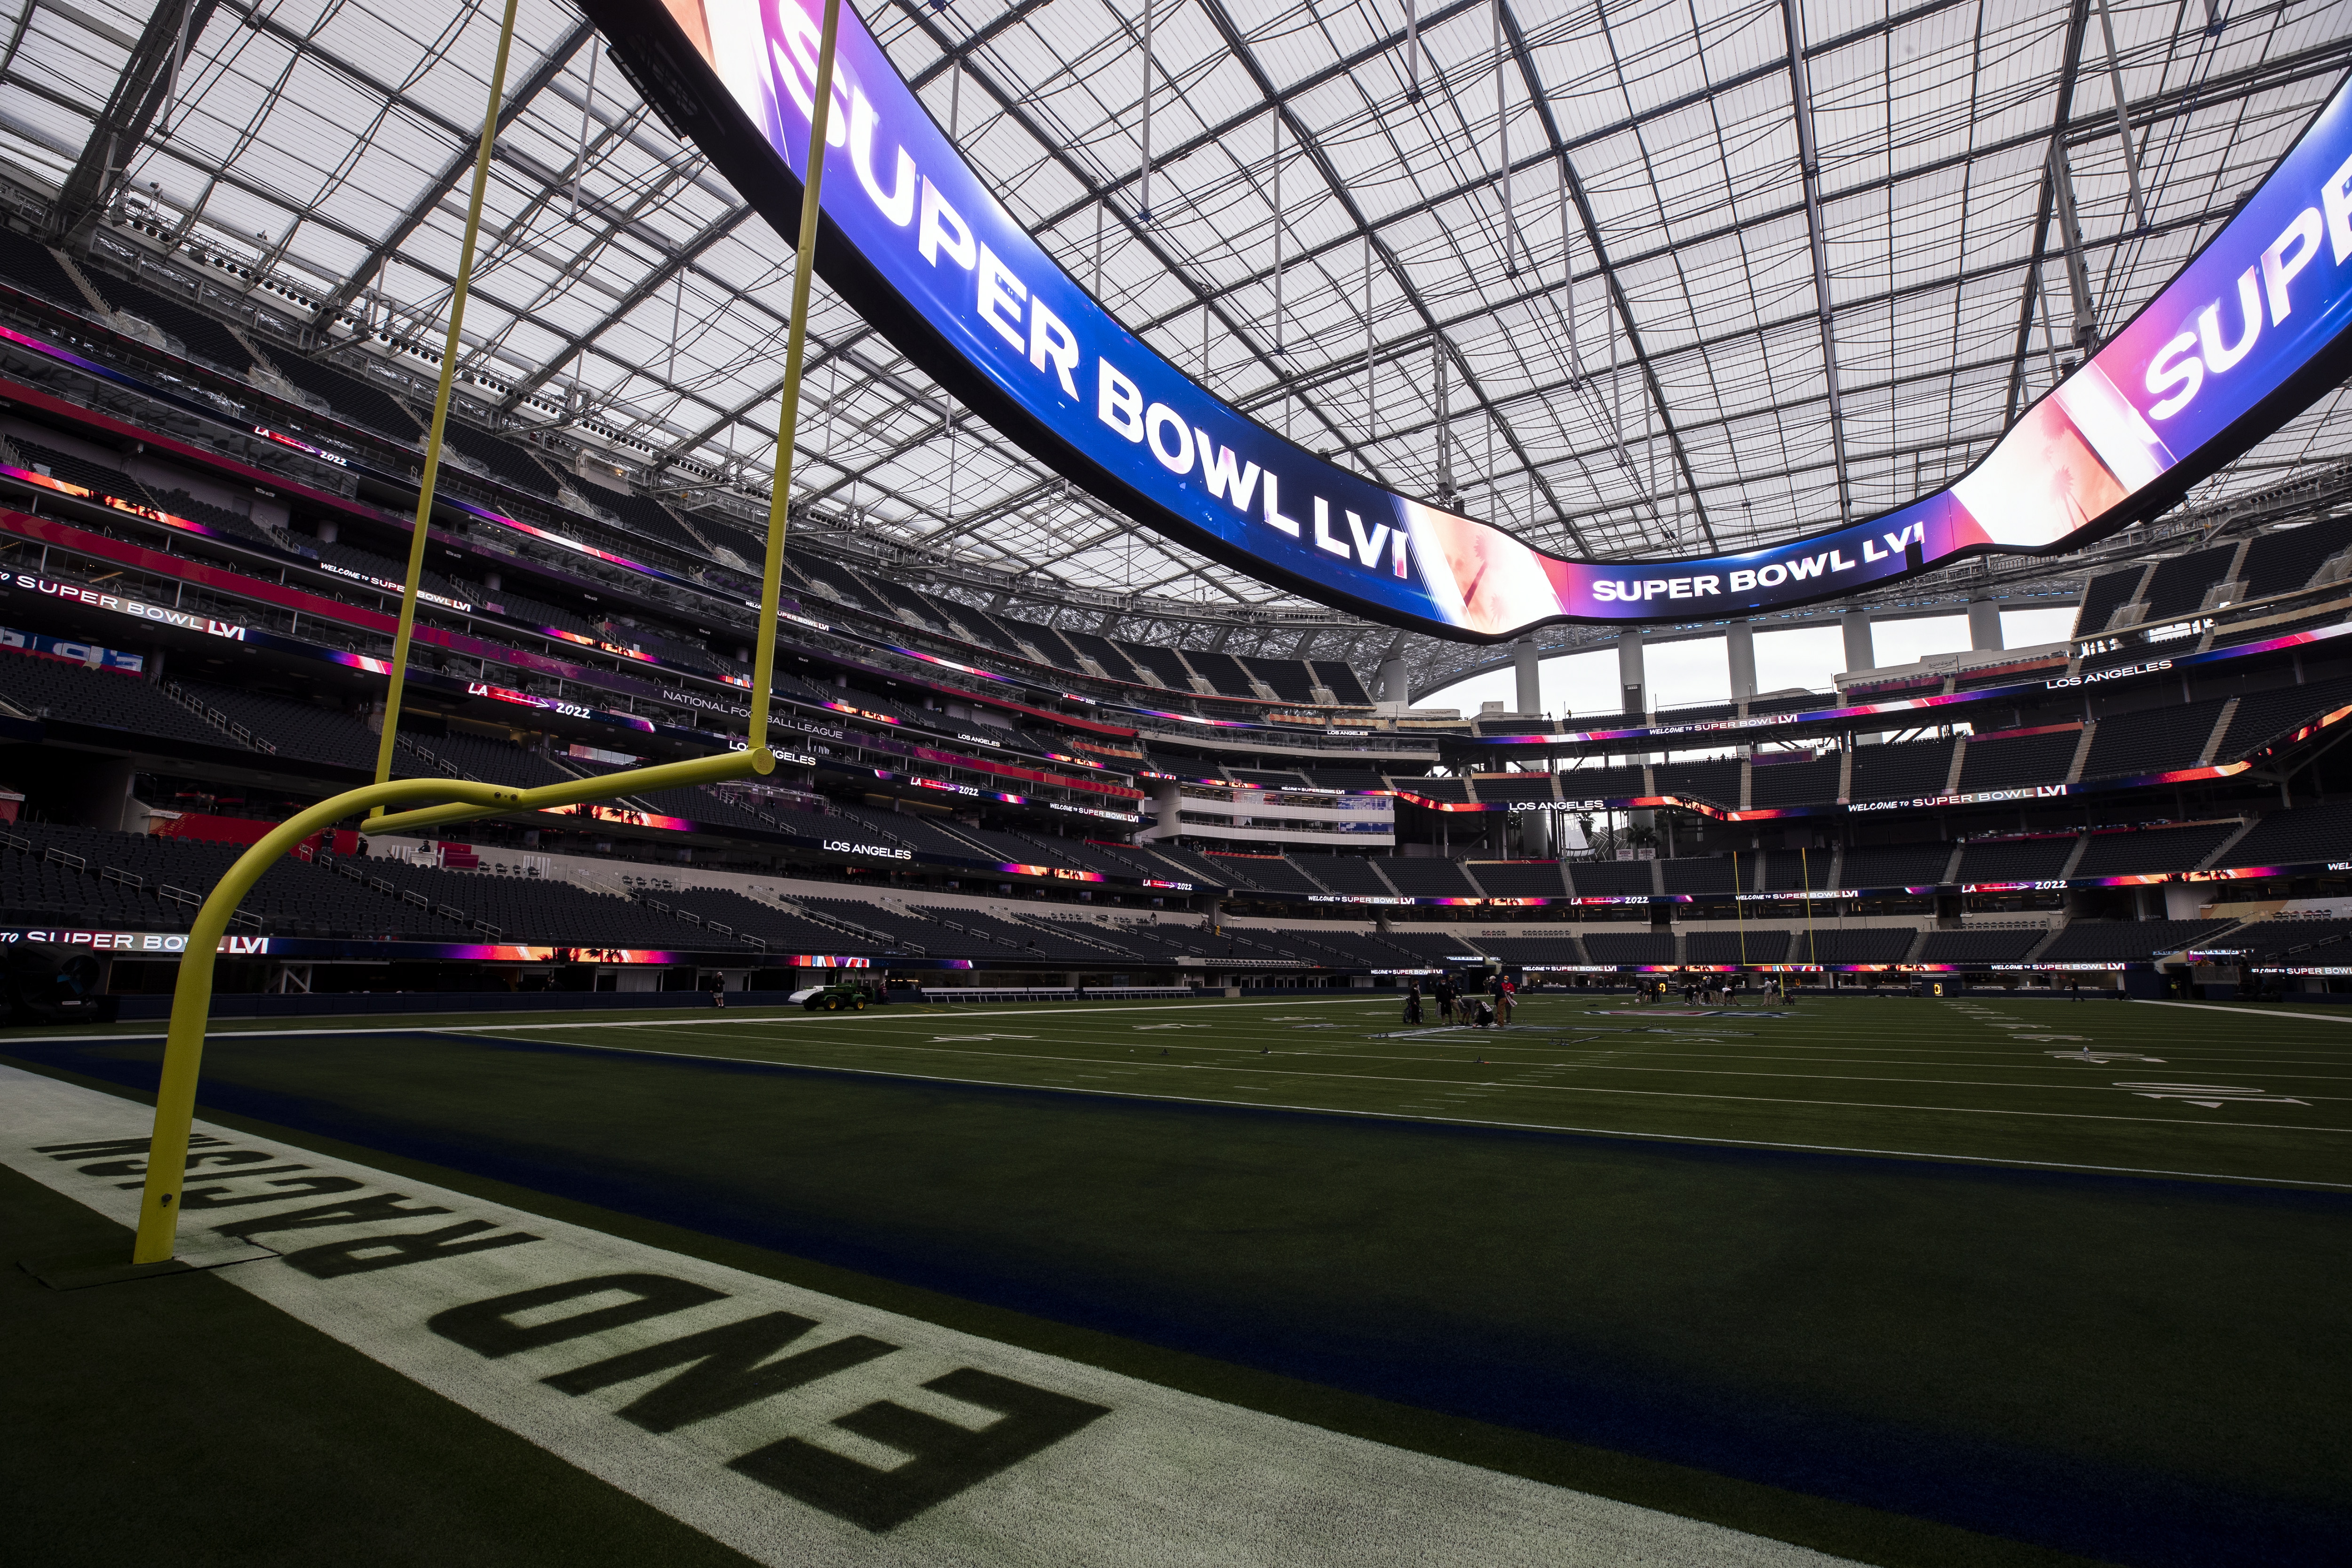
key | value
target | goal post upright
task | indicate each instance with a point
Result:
(436, 801)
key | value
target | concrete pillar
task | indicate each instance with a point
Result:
(1631, 682)
(1535, 835)
(1530, 681)
(327, 530)
(1393, 681)
(1858, 653)
(1739, 642)
(1984, 626)
(1166, 800)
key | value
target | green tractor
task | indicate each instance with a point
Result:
(842, 995)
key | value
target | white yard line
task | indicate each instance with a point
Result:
(2246, 1012)
(1598, 1131)
(490, 1306)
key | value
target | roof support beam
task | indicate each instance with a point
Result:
(131, 109)
(459, 166)
(2079, 16)
(1808, 160)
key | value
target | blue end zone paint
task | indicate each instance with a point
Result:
(1558, 1386)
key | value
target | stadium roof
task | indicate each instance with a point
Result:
(1819, 243)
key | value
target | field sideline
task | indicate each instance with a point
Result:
(1890, 1277)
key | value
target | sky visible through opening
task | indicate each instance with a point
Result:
(1682, 674)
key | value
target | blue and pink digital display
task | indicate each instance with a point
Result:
(922, 244)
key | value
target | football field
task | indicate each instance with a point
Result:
(1898, 1280)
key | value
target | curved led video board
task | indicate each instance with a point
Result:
(2247, 334)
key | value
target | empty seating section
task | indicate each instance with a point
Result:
(1710, 874)
(782, 930)
(2143, 851)
(541, 910)
(494, 762)
(1106, 655)
(907, 602)
(1794, 870)
(2304, 941)
(1194, 866)
(49, 688)
(296, 729)
(1611, 879)
(2101, 942)
(2017, 859)
(2303, 835)
(1445, 790)
(2154, 740)
(1275, 875)
(1007, 849)
(2286, 559)
(38, 884)
(1895, 865)
(1978, 946)
(864, 922)
(505, 462)
(1519, 879)
(104, 478)
(895, 829)
(1164, 663)
(1536, 949)
(1812, 783)
(1267, 778)
(1736, 946)
(1629, 947)
(206, 339)
(1288, 678)
(533, 612)
(236, 525)
(1223, 671)
(2179, 586)
(1715, 781)
(350, 394)
(293, 898)
(1432, 946)
(2103, 597)
(1340, 682)
(2265, 718)
(1111, 860)
(1907, 770)
(1828, 945)
(1427, 879)
(1168, 943)
(987, 629)
(1357, 876)
(26, 263)
(2015, 762)
(644, 516)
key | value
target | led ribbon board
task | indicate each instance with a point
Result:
(2245, 336)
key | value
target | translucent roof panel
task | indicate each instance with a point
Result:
(1595, 218)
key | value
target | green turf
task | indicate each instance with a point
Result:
(179, 1420)
(1980, 1080)
(2159, 1327)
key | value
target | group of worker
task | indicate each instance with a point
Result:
(1464, 1003)
(1715, 990)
